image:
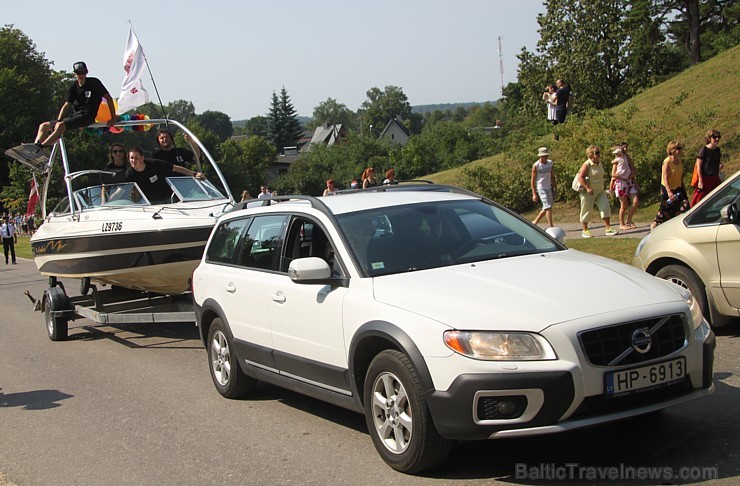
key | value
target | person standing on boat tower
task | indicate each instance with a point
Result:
(83, 98)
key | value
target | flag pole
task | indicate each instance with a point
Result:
(156, 90)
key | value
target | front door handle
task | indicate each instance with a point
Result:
(278, 297)
(230, 287)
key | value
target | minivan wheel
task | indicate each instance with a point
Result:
(227, 375)
(688, 279)
(398, 417)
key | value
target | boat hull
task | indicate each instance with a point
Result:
(125, 249)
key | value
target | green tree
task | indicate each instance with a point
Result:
(702, 28)
(440, 146)
(382, 106)
(484, 115)
(181, 110)
(244, 163)
(257, 125)
(282, 121)
(217, 122)
(584, 41)
(343, 163)
(29, 89)
(333, 113)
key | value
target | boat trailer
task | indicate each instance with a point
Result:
(115, 305)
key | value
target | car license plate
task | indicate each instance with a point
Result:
(656, 375)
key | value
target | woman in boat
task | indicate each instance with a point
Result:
(116, 163)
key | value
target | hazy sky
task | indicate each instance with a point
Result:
(230, 55)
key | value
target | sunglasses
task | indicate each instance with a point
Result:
(597, 153)
(716, 137)
(118, 151)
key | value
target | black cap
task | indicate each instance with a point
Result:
(79, 67)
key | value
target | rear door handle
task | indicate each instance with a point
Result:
(230, 287)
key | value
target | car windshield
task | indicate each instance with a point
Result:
(429, 235)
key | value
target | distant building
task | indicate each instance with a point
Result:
(328, 135)
(395, 132)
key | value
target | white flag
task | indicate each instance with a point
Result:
(133, 93)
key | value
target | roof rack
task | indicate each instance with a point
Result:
(411, 185)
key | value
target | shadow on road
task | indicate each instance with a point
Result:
(33, 400)
(141, 336)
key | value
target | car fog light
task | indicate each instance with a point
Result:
(501, 408)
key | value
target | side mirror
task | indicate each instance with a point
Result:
(557, 233)
(729, 214)
(314, 270)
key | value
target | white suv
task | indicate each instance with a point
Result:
(441, 316)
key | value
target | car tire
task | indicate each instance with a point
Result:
(398, 418)
(223, 363)
(688, 279)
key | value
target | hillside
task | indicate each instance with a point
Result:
(683, 107)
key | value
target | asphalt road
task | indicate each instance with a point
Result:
(135, 405)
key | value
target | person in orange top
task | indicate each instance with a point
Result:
(673, 198)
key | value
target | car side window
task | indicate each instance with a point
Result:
(225, 240)
(261, 245)
(307, 238)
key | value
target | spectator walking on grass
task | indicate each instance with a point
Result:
(543, 185)
(624, 186)
(673, 198)
(592, 193)
(708, 167)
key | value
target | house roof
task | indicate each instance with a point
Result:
(327, 134)
(391, 123)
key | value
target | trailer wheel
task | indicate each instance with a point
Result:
(56, 327)
(84, 285)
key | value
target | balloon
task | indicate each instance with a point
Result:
(104, 112)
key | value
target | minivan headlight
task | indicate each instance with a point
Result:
(500, 346)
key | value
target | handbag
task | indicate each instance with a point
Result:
(575, 185)
(695, 177)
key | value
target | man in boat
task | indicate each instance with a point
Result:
(175, 155)
(150, 175)
(83, 99)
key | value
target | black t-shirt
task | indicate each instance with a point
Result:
(86, 98)
(152, 180)
(119, 176)
(175, 156)
(562, 95)
(710, 160)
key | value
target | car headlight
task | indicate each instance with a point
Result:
(696, 315)
(500, 346)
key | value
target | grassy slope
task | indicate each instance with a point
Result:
(711, 88)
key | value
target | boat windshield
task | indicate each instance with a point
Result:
(191, 189)
(110, 195)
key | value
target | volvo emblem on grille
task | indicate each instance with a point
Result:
(642, 340)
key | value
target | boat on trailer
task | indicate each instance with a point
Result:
(112, 234)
